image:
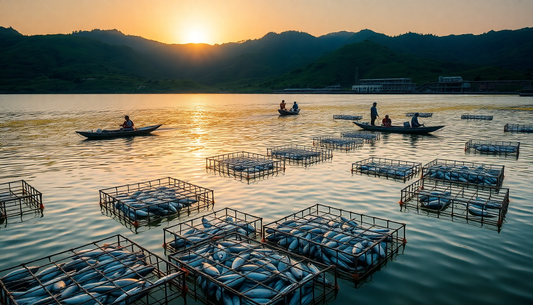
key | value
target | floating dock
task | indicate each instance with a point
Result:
(18, 198)
(114, 270)
(477, 174)
(395, 169)
(245, 165)
(338, 143)
(356, 244)
(146, 202)
(368, 136)
(476, 117)
(526, 128)
(348, 117)
(420, 114)
(493, 147)
(300, 154)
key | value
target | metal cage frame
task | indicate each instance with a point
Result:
(383, 168)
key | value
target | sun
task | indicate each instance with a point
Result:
(196, 35)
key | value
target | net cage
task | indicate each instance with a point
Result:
(113, 270)
(420, 114)
(476, 117)
(367, 136)
(222, 222)
(395, 169)
(518, 128)
(486, 206)
(338, 143)
(493, 147)
(18, 198)
(347, 117)
(300, 154)
(147, 202)
(464, 172)
(245, 165)
(235, 269)
(356, 244)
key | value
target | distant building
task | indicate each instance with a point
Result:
(385, 85)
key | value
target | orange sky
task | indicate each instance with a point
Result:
(220, 21)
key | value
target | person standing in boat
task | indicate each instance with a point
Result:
(294, 107)
(373, 114)
(387, 122)
(282, 105)
(414, 121)
(128, 124)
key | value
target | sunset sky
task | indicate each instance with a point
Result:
(220, 21)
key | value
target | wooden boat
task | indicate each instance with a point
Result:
(105, 134)
(399, 129)
(287, 112)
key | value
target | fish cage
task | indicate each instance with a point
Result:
(476, 117)
(395, 169)
(356, 244)
(338, 143)
(113, 270)
(493, 147)
(245, 165)
(236, 269)
(225, 221)
(486, 206)
(517, 128)
(18, 198)
(147, 202)
(420, 114)
(367, 136)
(478, 174)
(348, 117)
(300, 154)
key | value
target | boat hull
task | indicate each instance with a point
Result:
(106, 134)
(400, 129)
(286, 112)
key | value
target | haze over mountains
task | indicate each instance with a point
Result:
(107, 61)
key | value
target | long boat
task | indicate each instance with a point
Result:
(399, 129)
(287, 112)
(105, 134)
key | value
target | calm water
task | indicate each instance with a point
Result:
(444, 262)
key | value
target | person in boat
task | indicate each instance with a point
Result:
(387, 122)
(373, 114)
(414, 121)
(128, 124)
(294, 107)
(282, 105)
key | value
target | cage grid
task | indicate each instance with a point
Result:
(395, 169)
(367, 136)
(112, 270)
(518, 128)
(476, 117)
(151, 201)
(347, 117)
(209, 226)
(18, 198)
(338, 143)
(493, 147)
(300, 154)
(486, 206)
(478, 174)
(245, 165)
(235, 269)
(420, 114)
(356, 244)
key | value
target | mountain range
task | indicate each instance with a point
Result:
(108, 61)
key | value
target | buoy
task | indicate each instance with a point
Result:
(42, 206)
(164, 245)
(404, 240)
(136, 223)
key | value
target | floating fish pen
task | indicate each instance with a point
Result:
(300, 154)
(18, 198)
(113, 270)
(147, 202)
(493, 147)
(348, 117)
(395, 169)
(222, 222)
(420, 114)
(338, 143)
(517, 128)
(236, 269)
(367, 136)
(476, 117)
(245, 165)
(356, 244)
(464, 172)
(487, 206)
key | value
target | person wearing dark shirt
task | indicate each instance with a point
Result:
(414, 121)
(294, 107)
(387, 122)
(373, 114)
